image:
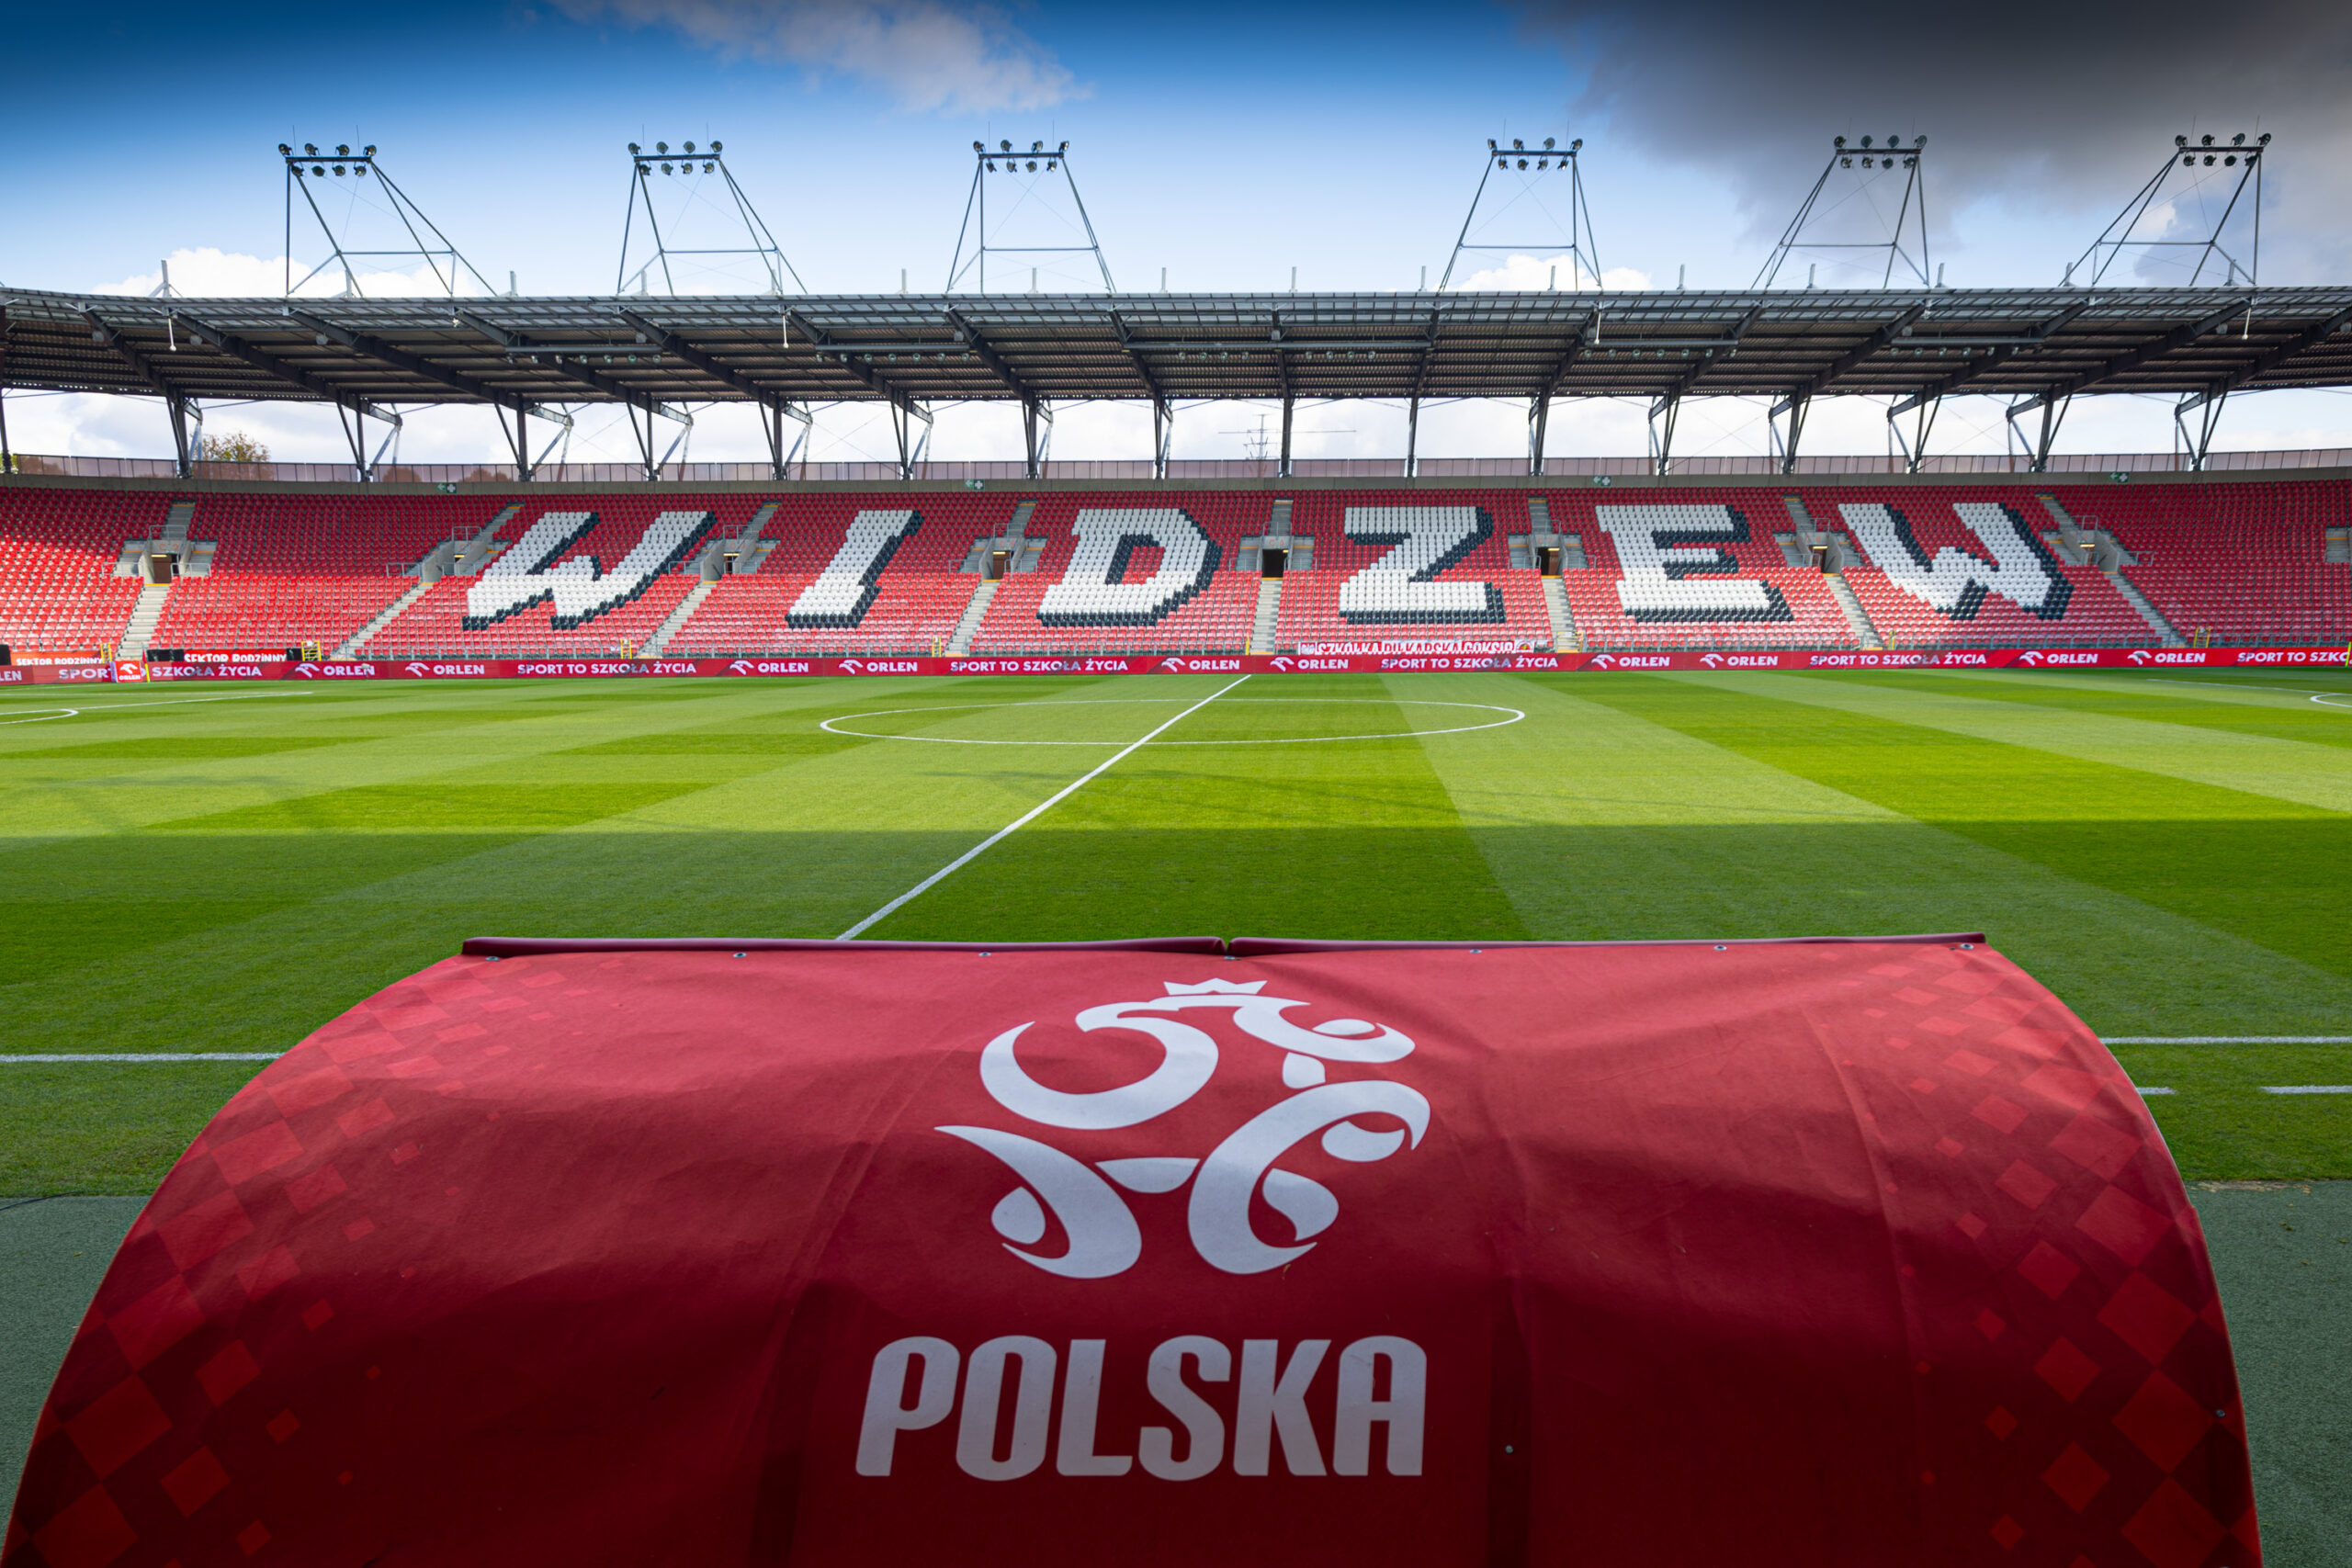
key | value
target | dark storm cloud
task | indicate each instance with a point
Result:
(2064, 108)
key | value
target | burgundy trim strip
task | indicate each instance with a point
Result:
(523, 946)
(1267, 946)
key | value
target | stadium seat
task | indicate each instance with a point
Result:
(892, 572)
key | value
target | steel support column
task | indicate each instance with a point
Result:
(1663, 416)
(2207, 405)
(1798, 405)
(1282, 470)
(904, 416)
(779, 457)
(1036, 434)
(184, 414)
(1163, 432)
(1412, 435)
(2053, 414)
(1914, 451)
(1539, 413)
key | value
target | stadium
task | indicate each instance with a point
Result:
(1838, 1017)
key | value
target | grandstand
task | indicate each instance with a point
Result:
(510, 571)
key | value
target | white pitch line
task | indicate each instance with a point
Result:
(7, 1058)
(2225, 1039)
(969, 856)
(2146, 1090)
(2308, 1089)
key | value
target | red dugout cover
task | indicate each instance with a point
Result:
(1768, 1253)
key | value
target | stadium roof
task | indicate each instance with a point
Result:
(2037, 344)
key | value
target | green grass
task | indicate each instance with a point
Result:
(2170, 858)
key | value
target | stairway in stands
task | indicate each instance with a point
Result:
(1564, 639)
(349, 647)
(143, 616)
(1856, 616)
(660, 640)
(968, 628)
(2105, 553)
(1270, 604)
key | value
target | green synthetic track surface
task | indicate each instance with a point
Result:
(187, 870)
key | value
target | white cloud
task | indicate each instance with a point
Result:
(1561, 272)
(929, 54)
(207, 273)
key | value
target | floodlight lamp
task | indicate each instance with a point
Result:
(1033, 165)
(338, 169)
(343, 150)
(1576, 145)
(1491, 143)
(978, 147)
(2209, 141)
(1037, 147)
(632, 147)
(1540, 164)
(2208, 160)
(714, 146)
(1840, 140)
(690, 146)
(2264, 139)
(2180, 141)
(2239, 140)
(1065, 147)
(1522, 163)
(1912, 162)
(1004, 146)
(358, 170)
(369, 149)
(645, 169)
(1051, 166)
(322, 169)
(1547, 141)
(1502, 162)
(1866, 140)
(1845, 163)
(1918, 141)
(2230, 162)
(665, 168)
(1517, 145)
(283, 149)
(312, 147)
(710, 168)
(2188, 160)
(661, 147)
(991, 168)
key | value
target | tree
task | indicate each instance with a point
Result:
(232, 446)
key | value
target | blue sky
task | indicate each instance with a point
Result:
(1225, 143)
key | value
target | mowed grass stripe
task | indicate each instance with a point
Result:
(2270, 871)
(1606, 825)
(2282, 715)
(213, 931)
(2299, 771)
(798, 844)
(1347, 839)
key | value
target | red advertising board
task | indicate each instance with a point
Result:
(1781, 1253)
(1393, 663)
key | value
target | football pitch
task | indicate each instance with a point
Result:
(203, 870)
(220, 871)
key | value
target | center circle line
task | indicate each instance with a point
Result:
(1512, 716)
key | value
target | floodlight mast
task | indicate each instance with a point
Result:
(1582, 254)
(762, 240)
(2088, 270)
(1907, 236)
(305, 168)
(985, 161)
